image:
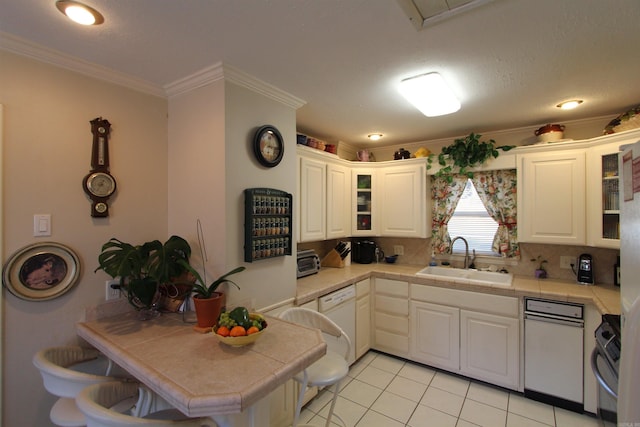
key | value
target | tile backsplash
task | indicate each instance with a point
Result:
(418, 252)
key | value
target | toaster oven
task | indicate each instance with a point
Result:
(308, 263)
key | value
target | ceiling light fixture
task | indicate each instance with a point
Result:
(79, 12)
(374, 136)
(569, 105)
(430, 94)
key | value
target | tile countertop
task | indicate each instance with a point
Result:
(605, 297)
(196, 373)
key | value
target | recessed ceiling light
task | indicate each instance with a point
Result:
(569, 105)
(430, 94)
(79, 12)
(374, 136)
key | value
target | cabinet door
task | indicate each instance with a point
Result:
(435, 335)
(282, 404)
(603, 201)
(313, 191)
(364, 219)
(551, 197)
(338, 201)
(363, 325)
(489, 348)
(404, 196)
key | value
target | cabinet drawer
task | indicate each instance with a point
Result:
(399, 306)
(477, 301)
(398, 343)
(395, 324)
(392, 287)
(363, 288)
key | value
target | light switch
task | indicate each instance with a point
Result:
(41, 225)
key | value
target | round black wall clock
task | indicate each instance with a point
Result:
(268, 146)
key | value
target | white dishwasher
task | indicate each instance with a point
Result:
(553, 352)
(340, 307)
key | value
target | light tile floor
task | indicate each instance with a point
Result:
(384, 391)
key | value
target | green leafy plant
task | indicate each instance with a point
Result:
(465, 153)
(541, 272)
(201, 290)
(541, 262)
(142, 268)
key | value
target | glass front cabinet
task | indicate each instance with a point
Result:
(364, 183)
(604, 197)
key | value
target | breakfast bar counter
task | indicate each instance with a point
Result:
(199, 375)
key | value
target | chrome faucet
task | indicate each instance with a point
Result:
(466, 250)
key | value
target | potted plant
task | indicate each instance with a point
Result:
(541, 272)
(207, 300)
(465, 153)
(143, 268)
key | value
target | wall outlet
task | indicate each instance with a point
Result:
(566, 261)
(111, 293)
(398, 250)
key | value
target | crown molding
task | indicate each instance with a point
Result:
(231, 74)
(32, 50)
(198, 79)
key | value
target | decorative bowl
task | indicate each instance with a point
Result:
(391, 259)
(243, 340)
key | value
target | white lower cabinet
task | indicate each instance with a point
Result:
(469, 333)
(362, 340)
(435, 332)
(489, 347)
(391, 316)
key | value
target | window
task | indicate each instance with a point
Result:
(471, 221)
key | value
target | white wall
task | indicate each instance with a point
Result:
(47, 148)
(211, 163)
(271, 280)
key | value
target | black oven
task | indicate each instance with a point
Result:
(605, 360)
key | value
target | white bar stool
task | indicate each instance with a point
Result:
(328, 370)
(102, 406)
(67, 370)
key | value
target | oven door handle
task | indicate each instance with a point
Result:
(599, 377)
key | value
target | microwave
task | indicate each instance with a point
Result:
(308, 263)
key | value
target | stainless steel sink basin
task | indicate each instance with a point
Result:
(470, 276)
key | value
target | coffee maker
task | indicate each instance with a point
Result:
(364, 252)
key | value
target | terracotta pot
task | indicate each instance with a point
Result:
(208, 309)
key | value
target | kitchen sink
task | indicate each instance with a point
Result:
(470, 276)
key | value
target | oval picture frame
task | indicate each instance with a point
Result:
(41, 271)
(268, 146)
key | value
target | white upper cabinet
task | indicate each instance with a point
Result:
(324, 195)
(551, 197)
(403, 201)
(603, 196)
(364, 202)
(338, 201)
(313, 202)
(568, 193)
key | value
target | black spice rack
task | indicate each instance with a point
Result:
(267, 223)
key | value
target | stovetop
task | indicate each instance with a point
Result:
(609, 339)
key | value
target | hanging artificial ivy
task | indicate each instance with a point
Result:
(465, 153)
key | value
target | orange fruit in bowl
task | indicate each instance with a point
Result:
(253, 330)
(223, 331)
(238, 331)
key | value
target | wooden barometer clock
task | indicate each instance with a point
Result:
(99, 184)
